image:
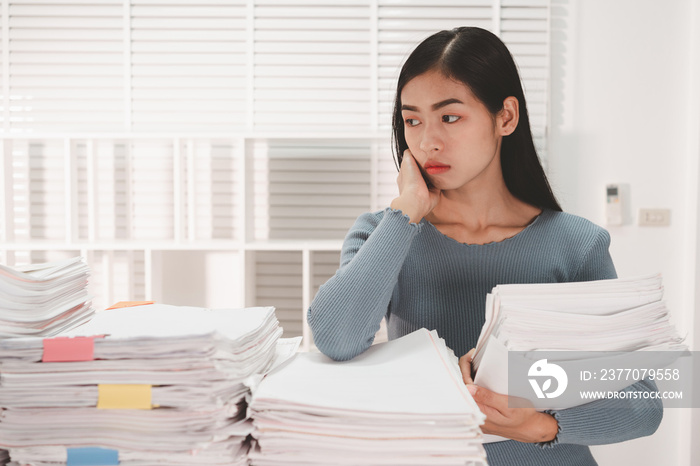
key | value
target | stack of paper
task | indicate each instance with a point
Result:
(620, 315)
(400, 403)
(43, 299)
(137, 385)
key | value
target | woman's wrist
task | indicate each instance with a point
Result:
(547, 428)
(406, 208)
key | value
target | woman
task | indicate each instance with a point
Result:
(474, 210)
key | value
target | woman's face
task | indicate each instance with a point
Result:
(450, 132)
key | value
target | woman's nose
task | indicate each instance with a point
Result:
(431, 140)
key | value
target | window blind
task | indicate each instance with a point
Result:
(236, 65)
(116, 276)
(39, 190)
(66, 65)
(211, 190)
(187, 65)
(312, 65)
(524, 27)
(404, 24)
(278, 283)
(316, 188)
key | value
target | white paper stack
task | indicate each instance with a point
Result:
(152, 384)
(620, 317)
(43, 299)
(400, 403)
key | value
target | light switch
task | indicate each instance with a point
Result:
(654, 217)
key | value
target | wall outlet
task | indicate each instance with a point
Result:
(654, 217)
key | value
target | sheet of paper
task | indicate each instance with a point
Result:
(355, 380)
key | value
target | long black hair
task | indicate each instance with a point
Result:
(481, 61)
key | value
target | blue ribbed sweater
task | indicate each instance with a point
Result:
(418, 277)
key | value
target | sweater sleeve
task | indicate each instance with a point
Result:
(347, 310)
(608, 420)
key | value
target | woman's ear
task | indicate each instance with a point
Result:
(507, 119)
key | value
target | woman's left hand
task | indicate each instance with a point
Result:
(521, 424)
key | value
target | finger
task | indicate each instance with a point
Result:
(465, 366)
(492, 415)
(489, 398)
(415, 174)
(408, 162)
(406, 155)
(470, 353)
(404, 169)
(469, 356)
(411, 172)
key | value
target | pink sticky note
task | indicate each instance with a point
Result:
(66, 349)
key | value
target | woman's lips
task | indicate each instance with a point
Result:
(435, 168)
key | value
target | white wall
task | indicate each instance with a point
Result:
(620, 113)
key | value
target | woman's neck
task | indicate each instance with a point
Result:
(476, 215)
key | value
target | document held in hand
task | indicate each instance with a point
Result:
(539, 339)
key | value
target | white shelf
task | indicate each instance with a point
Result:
(319, 245)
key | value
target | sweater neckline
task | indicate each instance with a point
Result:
(491, 243)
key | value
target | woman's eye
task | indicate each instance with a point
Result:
(411, 121)
(449, 118)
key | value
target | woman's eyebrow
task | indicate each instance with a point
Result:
(445, 103)
(436, 106)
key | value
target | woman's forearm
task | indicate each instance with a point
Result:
(347, 311)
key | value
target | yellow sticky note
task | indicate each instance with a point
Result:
(124, 396)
